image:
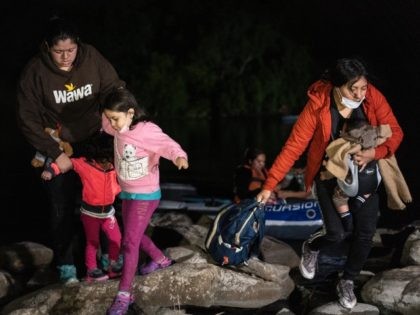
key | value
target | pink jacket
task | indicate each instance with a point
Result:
(137, 154)
(313, 129)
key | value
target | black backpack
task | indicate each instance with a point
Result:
(236, 233)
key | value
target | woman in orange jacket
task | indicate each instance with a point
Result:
(343, 92)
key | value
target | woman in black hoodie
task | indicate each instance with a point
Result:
(61, 88)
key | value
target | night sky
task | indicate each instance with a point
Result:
(386, 34)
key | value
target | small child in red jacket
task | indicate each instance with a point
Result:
(100, 187)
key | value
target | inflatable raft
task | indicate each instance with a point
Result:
(293, 219)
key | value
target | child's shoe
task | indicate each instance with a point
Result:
(115, 269)
(96, 275)
(153, 266)
(67, 274)
(121, 303)
(104, 261)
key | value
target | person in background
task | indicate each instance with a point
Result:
(100, 186)
(250, 176)
(139, 144)
(61, 88)
(293, 186)
(343, 92)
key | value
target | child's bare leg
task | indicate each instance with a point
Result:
(343, 208)
(340, 200)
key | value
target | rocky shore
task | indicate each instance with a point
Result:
(389, 283)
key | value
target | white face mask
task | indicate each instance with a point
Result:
(350, 103)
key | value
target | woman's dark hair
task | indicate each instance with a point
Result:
(99, 148)
(121, 100)
(345, 71)
(60, 29)
(251, 154)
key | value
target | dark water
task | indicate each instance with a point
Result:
(214, 150)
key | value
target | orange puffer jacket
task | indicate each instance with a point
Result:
(313, 129)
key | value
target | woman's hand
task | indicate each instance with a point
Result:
(363, 157)
(263, 196)
(273, 198)
(181, 162)
(64, 163)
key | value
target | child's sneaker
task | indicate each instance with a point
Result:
(120, 304)
(96, 275)
(104, 261)
(115, 269)
(153, 266)
(67, 274)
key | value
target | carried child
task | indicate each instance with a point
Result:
(138, 146)
(357, 183)
(100, 187)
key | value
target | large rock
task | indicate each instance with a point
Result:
(396, 290)
(40, 302)
(9, 287)
(25, 256)
(411, 251)
(207, 285)
(191, 281)
(333, 308)
(194, 234)
(275, 251)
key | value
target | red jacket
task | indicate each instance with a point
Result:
(99, 186)
(313, 129)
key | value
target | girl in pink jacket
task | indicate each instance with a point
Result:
(138, 146)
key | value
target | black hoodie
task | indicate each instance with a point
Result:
(50, 97)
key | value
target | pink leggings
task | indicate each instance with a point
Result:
(92, 228)
(136, 216)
